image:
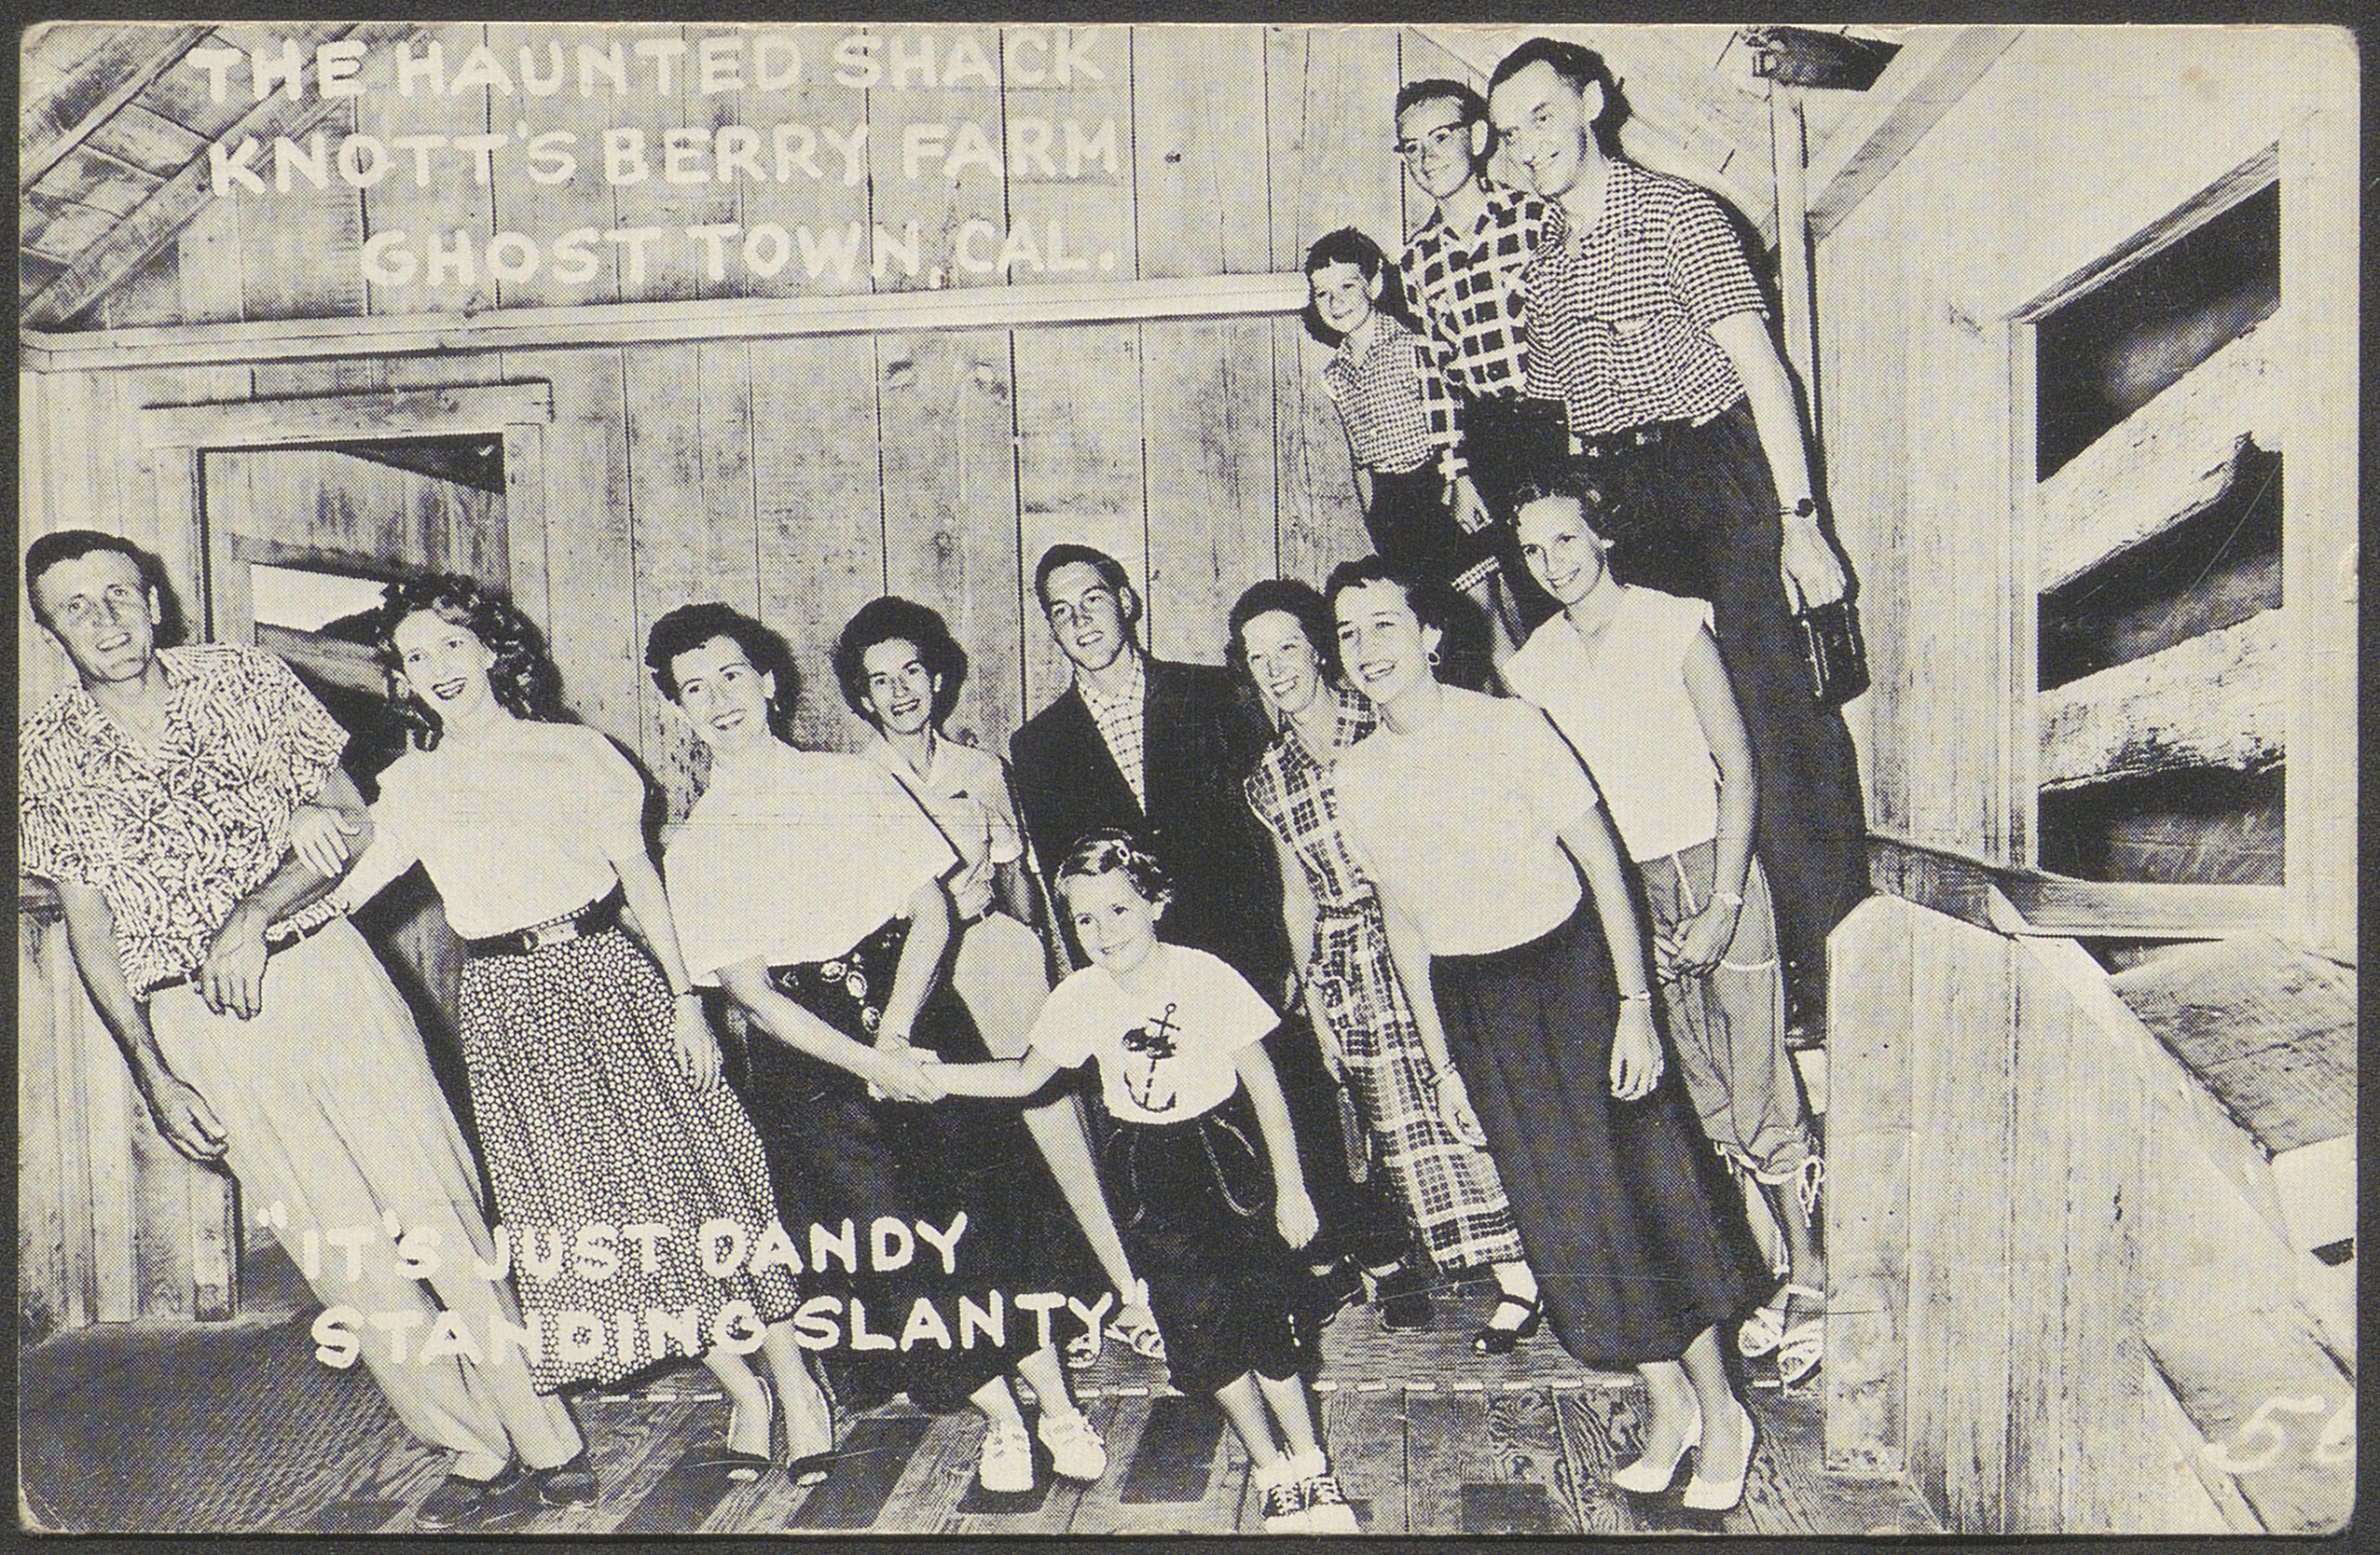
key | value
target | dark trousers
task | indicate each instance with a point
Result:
(1703, 515)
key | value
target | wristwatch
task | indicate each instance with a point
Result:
(1806, 508)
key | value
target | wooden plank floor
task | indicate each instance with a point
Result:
(235, 1427)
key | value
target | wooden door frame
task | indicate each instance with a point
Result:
(178, 437)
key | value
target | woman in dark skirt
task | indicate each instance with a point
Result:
(810, 886)
(1475, 824)
(595, 1090)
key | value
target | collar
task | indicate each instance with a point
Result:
(1387, 333)
(1135, 694)
(1625, 186)
(1352, 719)
(88, 721)
(880, 749)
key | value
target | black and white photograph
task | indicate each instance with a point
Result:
(892, 778)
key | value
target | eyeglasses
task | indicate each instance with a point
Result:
(1437, 141)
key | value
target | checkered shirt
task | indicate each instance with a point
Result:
(1399, 411)
(1620, 331)
(1121, 722)
(1468, 288)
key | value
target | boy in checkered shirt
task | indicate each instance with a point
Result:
(1401, 433)
(1463, 270)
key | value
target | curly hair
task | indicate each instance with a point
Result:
(689, 627)
(1604, 519)
(523, 678)
(893, 619)
(1112, 848)
(1299, 600)
(1432, 603)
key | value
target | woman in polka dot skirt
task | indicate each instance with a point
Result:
(618, 1158)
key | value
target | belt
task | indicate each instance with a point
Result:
(274, 945)
(586, 922)
(1610, 444)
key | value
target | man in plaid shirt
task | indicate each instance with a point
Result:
(1645, 320)
(1461, 271)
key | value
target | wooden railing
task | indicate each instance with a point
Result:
(2062, 1297)
(111, 1223)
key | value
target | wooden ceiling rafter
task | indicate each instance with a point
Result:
(106, 79)
(139, 235)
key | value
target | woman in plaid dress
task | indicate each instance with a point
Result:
(1281, 639)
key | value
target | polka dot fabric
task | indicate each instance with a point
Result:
(585, 1118)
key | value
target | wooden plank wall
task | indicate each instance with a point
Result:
(1926, 395)
(800, 478)
(2069, 1227)
(796, 477)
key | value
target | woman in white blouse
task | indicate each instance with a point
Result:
(594, 1075)
(808, 886)
(1512, 929)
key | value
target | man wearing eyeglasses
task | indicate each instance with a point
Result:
(1461, 271)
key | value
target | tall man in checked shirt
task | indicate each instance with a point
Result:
(160, 796)
(1645, 322)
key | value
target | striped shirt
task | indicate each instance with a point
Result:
(1469, 290)
(1621, 330)
(174, 839)
(1397, 409)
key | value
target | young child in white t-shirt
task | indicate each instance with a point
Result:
(1202, 1174)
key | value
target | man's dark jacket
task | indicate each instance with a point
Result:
(1201, 737)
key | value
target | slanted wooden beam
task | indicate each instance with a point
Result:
(61, 115)
(2174, 457)
(154, 223)
(1932, 72)
(2220, 701)
(2035, 903)
(462, 408)
(2270, 1029)
(622, 324)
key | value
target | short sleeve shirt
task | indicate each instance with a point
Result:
(1468, 288)
(967, 795)
(516, 827)
(1391, 397)
(1164, 1057)
(796, 856)
(1620, 331)
(1456, 822)
(1623, 705)
(174, 839)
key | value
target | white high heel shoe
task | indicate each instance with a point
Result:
(1719, 1495)
(1646, 1476)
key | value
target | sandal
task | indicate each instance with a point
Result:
(1490, 1339)
(1766, 1330)
(1136, 1327)
(1802, 1351)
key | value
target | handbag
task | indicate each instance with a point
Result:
(1832, 650)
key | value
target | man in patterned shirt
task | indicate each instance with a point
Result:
(1645, 320)
(159, 796)
(1161, 750)
(1461, 269)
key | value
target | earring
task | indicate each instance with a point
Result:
(1430, 656)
